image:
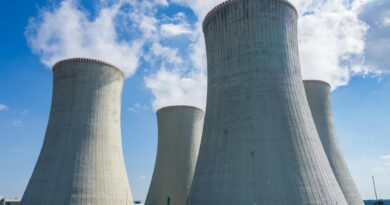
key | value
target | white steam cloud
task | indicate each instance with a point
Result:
(331, 39)
(67, 32)
(3, 107)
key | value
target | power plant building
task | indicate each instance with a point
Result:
(179, 136)
(319, 98)
(259, 145)
(81, 160)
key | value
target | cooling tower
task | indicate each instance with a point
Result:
(318, 95)
(260, 145)
(179, 136)
(81, 161)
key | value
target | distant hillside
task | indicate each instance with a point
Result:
(372, 202)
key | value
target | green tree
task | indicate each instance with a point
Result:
(379, 202)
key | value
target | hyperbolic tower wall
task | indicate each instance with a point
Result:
(319, 98)
(259, 144)
(81, 161)
(179, 136)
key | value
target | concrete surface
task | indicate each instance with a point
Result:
(179, 136)
(81, 160)
(319, 98)
(260, 145)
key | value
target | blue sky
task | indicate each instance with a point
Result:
(159, 45)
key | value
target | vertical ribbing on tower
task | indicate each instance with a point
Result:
(179, 136)
(81, 160)
(259, 144)
(319, 98)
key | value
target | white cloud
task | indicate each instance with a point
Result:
(148, 25)
(183, 82)
(331, 42)
(167, 54)
(331, 48)
(161, 2)
(17, 123)
(138, 107)
(171, 30)
(173, 79)
(379, 169)
(68, 31)
(377, 38)
(382, 165)
(200, 7)
(3, 107)
(171, 88)
(385, 157)
(386, 21)
(331, 38)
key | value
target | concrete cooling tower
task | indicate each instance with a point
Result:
(179, 136)
(318, 95)
(260, 145)
(81, 161)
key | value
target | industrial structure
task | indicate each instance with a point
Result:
(15, 201)
(319, 98)
(81, 160)
(259, 145)
(179, 136)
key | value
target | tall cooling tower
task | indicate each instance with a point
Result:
(318, 95)
(259, 145)
(179, 136)
(81, 161)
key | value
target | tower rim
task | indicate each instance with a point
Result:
(93, 60)
(226, 3)
(179, 106)
(317, 81)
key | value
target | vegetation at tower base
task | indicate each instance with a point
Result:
(377, 202)
(319, 98)
(179, 136)
(259, 144)
(81, 160)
